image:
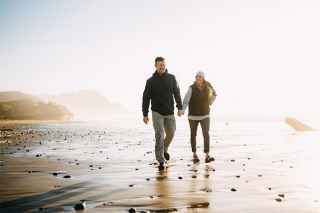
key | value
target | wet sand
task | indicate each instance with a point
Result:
(258, 168)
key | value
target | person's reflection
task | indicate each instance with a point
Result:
(200, 181)
(194, 176)
(196, 184)
(206, 183)
(162, 188)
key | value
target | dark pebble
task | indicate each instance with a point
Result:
(200, 205)
(278, 199)
(281, 195)
(180, 178)
(79, 206)
(207, 190)
(233, 189)
(132, 210)
(67, 176)
(33, 171)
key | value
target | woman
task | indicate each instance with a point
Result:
(199, 97)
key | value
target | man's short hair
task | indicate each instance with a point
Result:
(158, 59)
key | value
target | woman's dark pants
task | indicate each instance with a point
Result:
(205, 126)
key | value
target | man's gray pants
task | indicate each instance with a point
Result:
(163, 124)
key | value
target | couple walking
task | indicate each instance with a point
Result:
(161, 89)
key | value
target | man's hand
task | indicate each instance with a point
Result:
(180, 113)
(146, 119)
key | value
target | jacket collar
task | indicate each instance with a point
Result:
(155, 74)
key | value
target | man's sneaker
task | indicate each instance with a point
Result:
(196, 159)
(166, 156)
(161, 166)
(209, 159)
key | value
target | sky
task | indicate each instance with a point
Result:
(262, 57)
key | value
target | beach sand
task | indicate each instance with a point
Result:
(259, 167)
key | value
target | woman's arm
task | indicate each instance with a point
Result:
(186, 99)
(212, 93)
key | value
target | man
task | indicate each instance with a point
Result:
(199, 97)
(160, 89)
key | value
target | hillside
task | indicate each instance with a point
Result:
(28, 109)
(87, 104)
(16, 95)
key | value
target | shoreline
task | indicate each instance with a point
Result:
(32, 121)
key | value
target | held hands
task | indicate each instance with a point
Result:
(180, 113)
(146, 119)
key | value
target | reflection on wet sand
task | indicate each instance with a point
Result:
(162, 187)
(182, 193)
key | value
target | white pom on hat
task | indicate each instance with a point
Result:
(200, 73)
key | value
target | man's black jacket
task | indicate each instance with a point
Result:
(161, 89)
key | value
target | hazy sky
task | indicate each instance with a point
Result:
(261, 56)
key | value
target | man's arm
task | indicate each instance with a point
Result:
(176, 93)
(146, 99)
(186, 100)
